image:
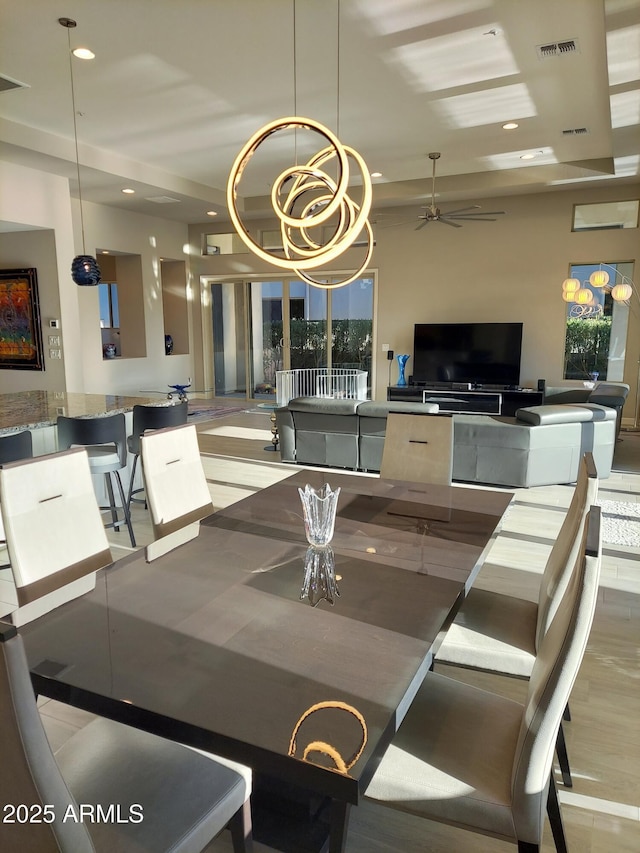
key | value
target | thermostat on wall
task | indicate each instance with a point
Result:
(54, 324)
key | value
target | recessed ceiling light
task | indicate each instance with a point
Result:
(83, 53)
(128, 191)
(527, 156)
(104, 252)
(510, 125)
(376, 174)
(212, 212)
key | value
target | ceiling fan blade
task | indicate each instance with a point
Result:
(422, 224)
(479, 213)
(447, 222)
(468, 219)
(473, 217)
(463, 209)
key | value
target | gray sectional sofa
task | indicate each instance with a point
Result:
(542, 445)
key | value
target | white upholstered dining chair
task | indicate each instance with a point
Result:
(477, 760)
(13, 446)
(418, 448)
(176, 486)
(168, 797)
(55, 537)
(147, 418)
(501, 633)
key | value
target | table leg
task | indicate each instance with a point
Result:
(339, 826)
(275, 439)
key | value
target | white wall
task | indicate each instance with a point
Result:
(36, 200)
(510, 270)
(129, 233)
(45, 233)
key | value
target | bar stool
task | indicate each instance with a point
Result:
(13, 447)
(150, 418)
(105, 440)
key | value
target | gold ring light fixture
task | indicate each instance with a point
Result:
(318, 219)
(304, 198)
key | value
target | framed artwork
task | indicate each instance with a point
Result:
(20, 331)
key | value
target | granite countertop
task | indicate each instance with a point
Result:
(35, 409)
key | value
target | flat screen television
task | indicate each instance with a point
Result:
(476, 353)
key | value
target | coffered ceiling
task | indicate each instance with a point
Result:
(178, 86)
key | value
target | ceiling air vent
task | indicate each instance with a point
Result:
(163, 199)
(557, 48)
(8, 83)
(575, 131)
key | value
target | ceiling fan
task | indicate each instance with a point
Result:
(434, 214)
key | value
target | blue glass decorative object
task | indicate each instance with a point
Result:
(402, 361)
(85, 271)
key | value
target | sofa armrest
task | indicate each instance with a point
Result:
(610, 394)
(560, 414)
(286, 434)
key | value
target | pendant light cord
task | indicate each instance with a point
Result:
(338, 74)
(75, 136)
(295, 86)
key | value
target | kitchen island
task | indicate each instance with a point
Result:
(38, 411)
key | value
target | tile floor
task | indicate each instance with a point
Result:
(602, 811)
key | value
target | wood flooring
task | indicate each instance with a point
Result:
(602, 810)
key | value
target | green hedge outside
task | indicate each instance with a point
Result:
(586, 348)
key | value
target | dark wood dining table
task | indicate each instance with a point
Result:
(213, 645)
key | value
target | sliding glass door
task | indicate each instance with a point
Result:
(261, 326)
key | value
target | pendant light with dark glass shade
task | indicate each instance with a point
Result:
(84, 268)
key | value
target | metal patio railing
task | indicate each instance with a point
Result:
(341, 382)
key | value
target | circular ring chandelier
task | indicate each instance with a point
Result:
(305, 197)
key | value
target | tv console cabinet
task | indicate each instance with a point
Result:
(489, 401)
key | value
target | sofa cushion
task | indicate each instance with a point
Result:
(557, 395)
(374, 409)
(373, 415)
(324, 405)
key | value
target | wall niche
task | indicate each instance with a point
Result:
(121, 306)
(174, 307)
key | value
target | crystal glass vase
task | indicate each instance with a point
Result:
(319, 509)
(319, 576)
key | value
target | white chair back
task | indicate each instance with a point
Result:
(175, 482)
(565, 549)
(418, 448)
(554, 673)
(54, 532)
(31, 774)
